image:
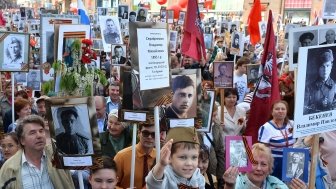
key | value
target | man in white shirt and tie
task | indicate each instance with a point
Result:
(118, 55)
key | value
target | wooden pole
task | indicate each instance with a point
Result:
(314, 159)
(222, 106)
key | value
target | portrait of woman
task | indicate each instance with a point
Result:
(235, 41)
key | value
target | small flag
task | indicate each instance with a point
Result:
(84, 18)
(253, 20)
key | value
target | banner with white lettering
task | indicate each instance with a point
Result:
(315, 103)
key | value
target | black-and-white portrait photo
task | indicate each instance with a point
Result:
(123, 11)
(34, 80)
(29, 13)
(97, 44)
(235, 41)
(329, 9)
(132, 16)
(170, 17)
(119, 54)
(223, 74)
(207, 29)
(101, 11)
(72, 130)
(327, 36)
(238, 156)
(20, 77)
(13, 53)
(208, 40)
(142, 15)
(295, 165)
(303, 39)
(252, 73)
(172, 40)
(111, 31)
(320, 90)
(163, 15)
(262, 29)
(181, 18)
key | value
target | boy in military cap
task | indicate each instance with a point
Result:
(178, 163)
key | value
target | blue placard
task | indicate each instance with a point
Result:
(295, 164)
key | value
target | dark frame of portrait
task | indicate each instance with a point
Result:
(126, 10)
(200, 120)
(22, 40)
(228, 64)
(287, 152)
(85, 109)
(228, 158)
(250, 79)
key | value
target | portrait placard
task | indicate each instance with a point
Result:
(308, 36)
(235, 153)
(181, 18)
(118, 55)
(170, 16)
(163, 15)
(34, 80)
(252, 74)
(123, 12)
(48, 50)
(74, 131)
(237, 44)
(141, 15)
(295, 164)
(172, 40)
(223, 74)
(110, 31)
(315, 105)
(329, 9)
(14, 50)
(205, 109)
(262, 29)
(208, 40)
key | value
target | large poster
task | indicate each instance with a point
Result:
(315, 104)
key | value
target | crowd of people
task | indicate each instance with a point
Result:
(188, 158)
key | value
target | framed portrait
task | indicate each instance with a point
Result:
(14, 50)
(224, 26)
(163, 15)
(208, 40)
(68, 36)
(223, 74)
(74, 131)
(262, 29)
(295, 164)
(204, 112)
(141, 15)
(172, 40)
(34, 80)
(234, 26)
(48, 21)
(207, 29)
(235, 153)
(101, 11)
(181, 18)
(237, 44)
(315, 106)
(327, 36)
(110, 32)
(123, 12)
(170, 17)
(119, 55)
(33, 26)
(20, 77)
(289, 27)
(329, 9)
(252, 74)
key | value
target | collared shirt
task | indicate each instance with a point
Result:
(100, 123)
(34, 178)
(111, 105)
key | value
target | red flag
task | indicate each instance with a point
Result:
(267, 90)
(253, 20)
(2, 19)
(193, 41)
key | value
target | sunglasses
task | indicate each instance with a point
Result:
(147, 133)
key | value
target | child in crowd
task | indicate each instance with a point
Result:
(203, 163)
(177, 167)
(104, 174)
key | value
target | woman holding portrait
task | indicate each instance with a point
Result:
(277, 133)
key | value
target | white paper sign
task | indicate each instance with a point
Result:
(153, 58)
(77, 161)
(135, 116)
(182, 122)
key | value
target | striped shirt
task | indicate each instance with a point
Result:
(277, 138)
(34, 178)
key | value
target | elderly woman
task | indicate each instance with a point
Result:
(277, 133)
(117, 136)
(259, 176)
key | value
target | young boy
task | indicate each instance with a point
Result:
(177, 167)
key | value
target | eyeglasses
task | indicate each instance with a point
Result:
(147, 133)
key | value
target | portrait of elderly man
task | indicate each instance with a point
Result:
(70, 141)
(329, 37)
(183, 95)
(306, 39)
(13, 58)
(320, 94)
(111, 32)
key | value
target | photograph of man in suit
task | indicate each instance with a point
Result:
(295, 166)
(118, 55)
(183, 95)
(330, 37)
(111, 32)
(123, 12)
(70, 141)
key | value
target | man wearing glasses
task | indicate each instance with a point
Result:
(144, 156)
